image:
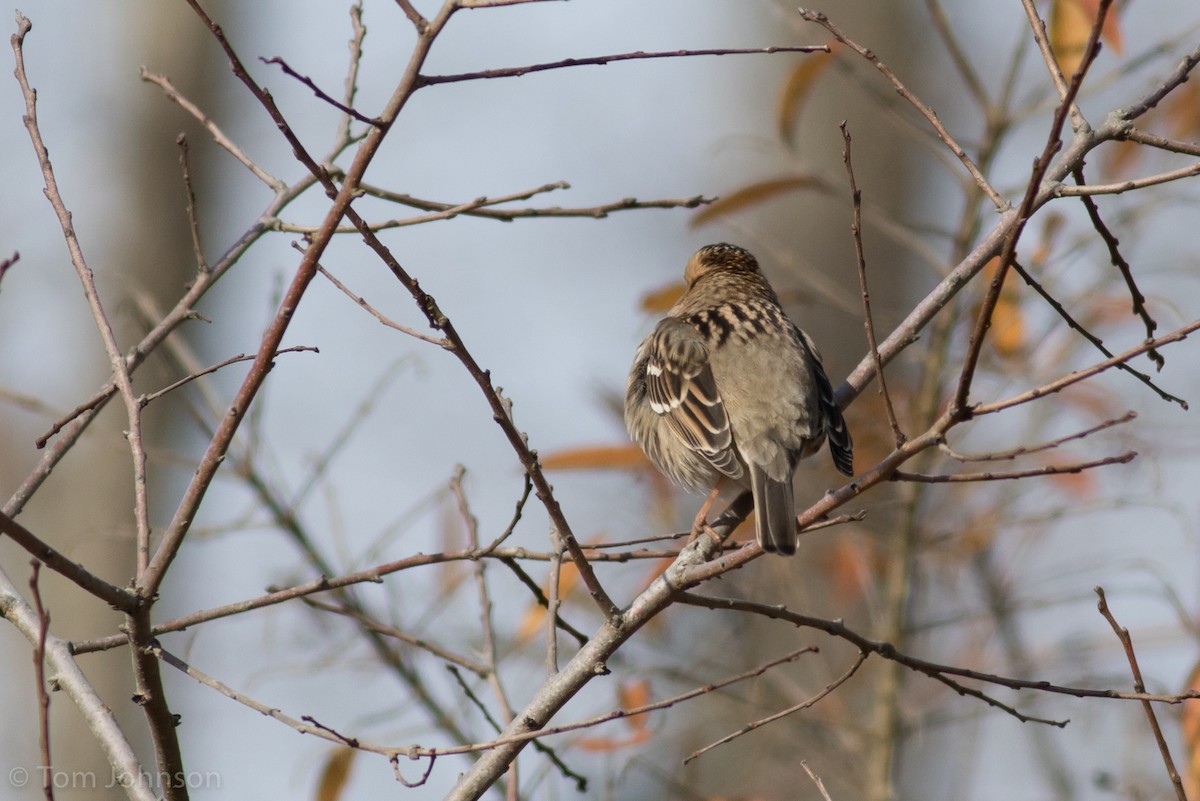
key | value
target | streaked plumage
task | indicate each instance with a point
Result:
(726, 385)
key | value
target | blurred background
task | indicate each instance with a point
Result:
(360, 442)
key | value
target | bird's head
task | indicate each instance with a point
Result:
(721, 256)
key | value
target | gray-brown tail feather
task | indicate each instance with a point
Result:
(774, 513)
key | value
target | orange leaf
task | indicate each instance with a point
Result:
(752, 195)
(796, 90)
(1008, 323)
(335, 774)
(661, 300)
(1190, 723)
(612, 743)
(1183, 111)
(632, 696)
(535, 615)
(1082, 484)
(848, 565)
(599, 457)
(1071, 24)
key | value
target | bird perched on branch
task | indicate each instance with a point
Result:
(727, 387)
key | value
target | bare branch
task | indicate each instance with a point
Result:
(868, 321)
(190, 196)
(1047, 470)
(1118, 261)
(320, 93)
(39, 674)
(1028, 449)
(1138, 686)
(1041, 166)
(120, 369)
(213, 129)
(1088, 190)
(1081, 375)
(980, 180)
(146, 400)
(117, 597)
(512, 72)
(757, 724)
(837, 628)
(378, 315)
(1090, 337)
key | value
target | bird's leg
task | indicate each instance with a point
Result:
(700, 524)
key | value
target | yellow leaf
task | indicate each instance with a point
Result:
(1190, 723)
(1071, 24)
(1007, 333)
(534, 618)
(661, 300)
(598, 457)
(335, 774)
(631, 696)
(751, 195)
(796, 90)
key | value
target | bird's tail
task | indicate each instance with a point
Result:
(774, 513)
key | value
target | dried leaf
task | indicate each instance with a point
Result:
(1190, 723)
(632, 695)
(335, 774)
(751, 195)
(847, 564)
(1082, 485)
(797, 88)
(1007, 333)
(598, 457)
(612, 743)
(1070, 27)
(661, 300)
(534, 619)
(1183, 112)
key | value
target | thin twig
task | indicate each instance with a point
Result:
(1047, 470)
(837, 628)
(116, 597)
(414, 16)
(173, 94)
(868, 320)
(757, 724)
(146, 400)
(1088, 190)
(350, 88)
(6, 264)
(1118, 261)
(1041, 165)
(39, 672)
(925, 111)
(108, 337)
(1025, 450)
(320, 93)
(512, 72)
(1089, 336)
(190, 198)
(378, 315)
(1140, 687)
(816, 780)
(1080, 375)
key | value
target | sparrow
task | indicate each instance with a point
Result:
(726, 387)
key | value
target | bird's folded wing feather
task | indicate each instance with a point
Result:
(681, 388)
(841, 446)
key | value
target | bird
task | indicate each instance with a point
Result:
(727, 388)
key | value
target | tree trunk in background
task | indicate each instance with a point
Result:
(86, 508)
(805, 242)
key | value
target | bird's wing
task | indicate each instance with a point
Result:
(681, 388)
(841, 446)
